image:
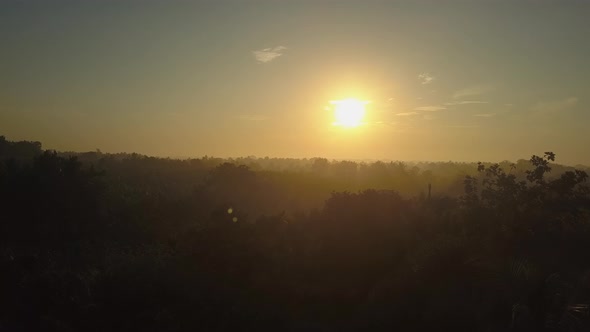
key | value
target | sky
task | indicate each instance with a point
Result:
(445, 80)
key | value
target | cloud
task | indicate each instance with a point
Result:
(425, 78)
(485, 115)
(463, 126)
(555, 105)
(266, 55)
(406, 113)
(466, 102)
(430, 108)
(252, 117)
(472, 91)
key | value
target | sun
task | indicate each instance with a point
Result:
(349, 113)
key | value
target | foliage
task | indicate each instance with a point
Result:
(100, 242)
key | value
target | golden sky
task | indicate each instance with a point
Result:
(459, 80)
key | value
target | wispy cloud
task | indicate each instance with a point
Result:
(463, 126)
(472, 91)
(430, 108)
(406, 113)
(466, 102)
(425, 78)
(252, 117)
(555, 105)
(266, 55)
(485, 115)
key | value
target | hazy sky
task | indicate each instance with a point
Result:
(447, 80)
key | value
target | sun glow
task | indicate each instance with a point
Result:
(349, 113)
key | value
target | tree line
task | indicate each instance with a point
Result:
(103, 242)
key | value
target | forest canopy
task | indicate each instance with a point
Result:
(113, 242)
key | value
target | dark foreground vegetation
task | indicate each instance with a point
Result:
(102, 242)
